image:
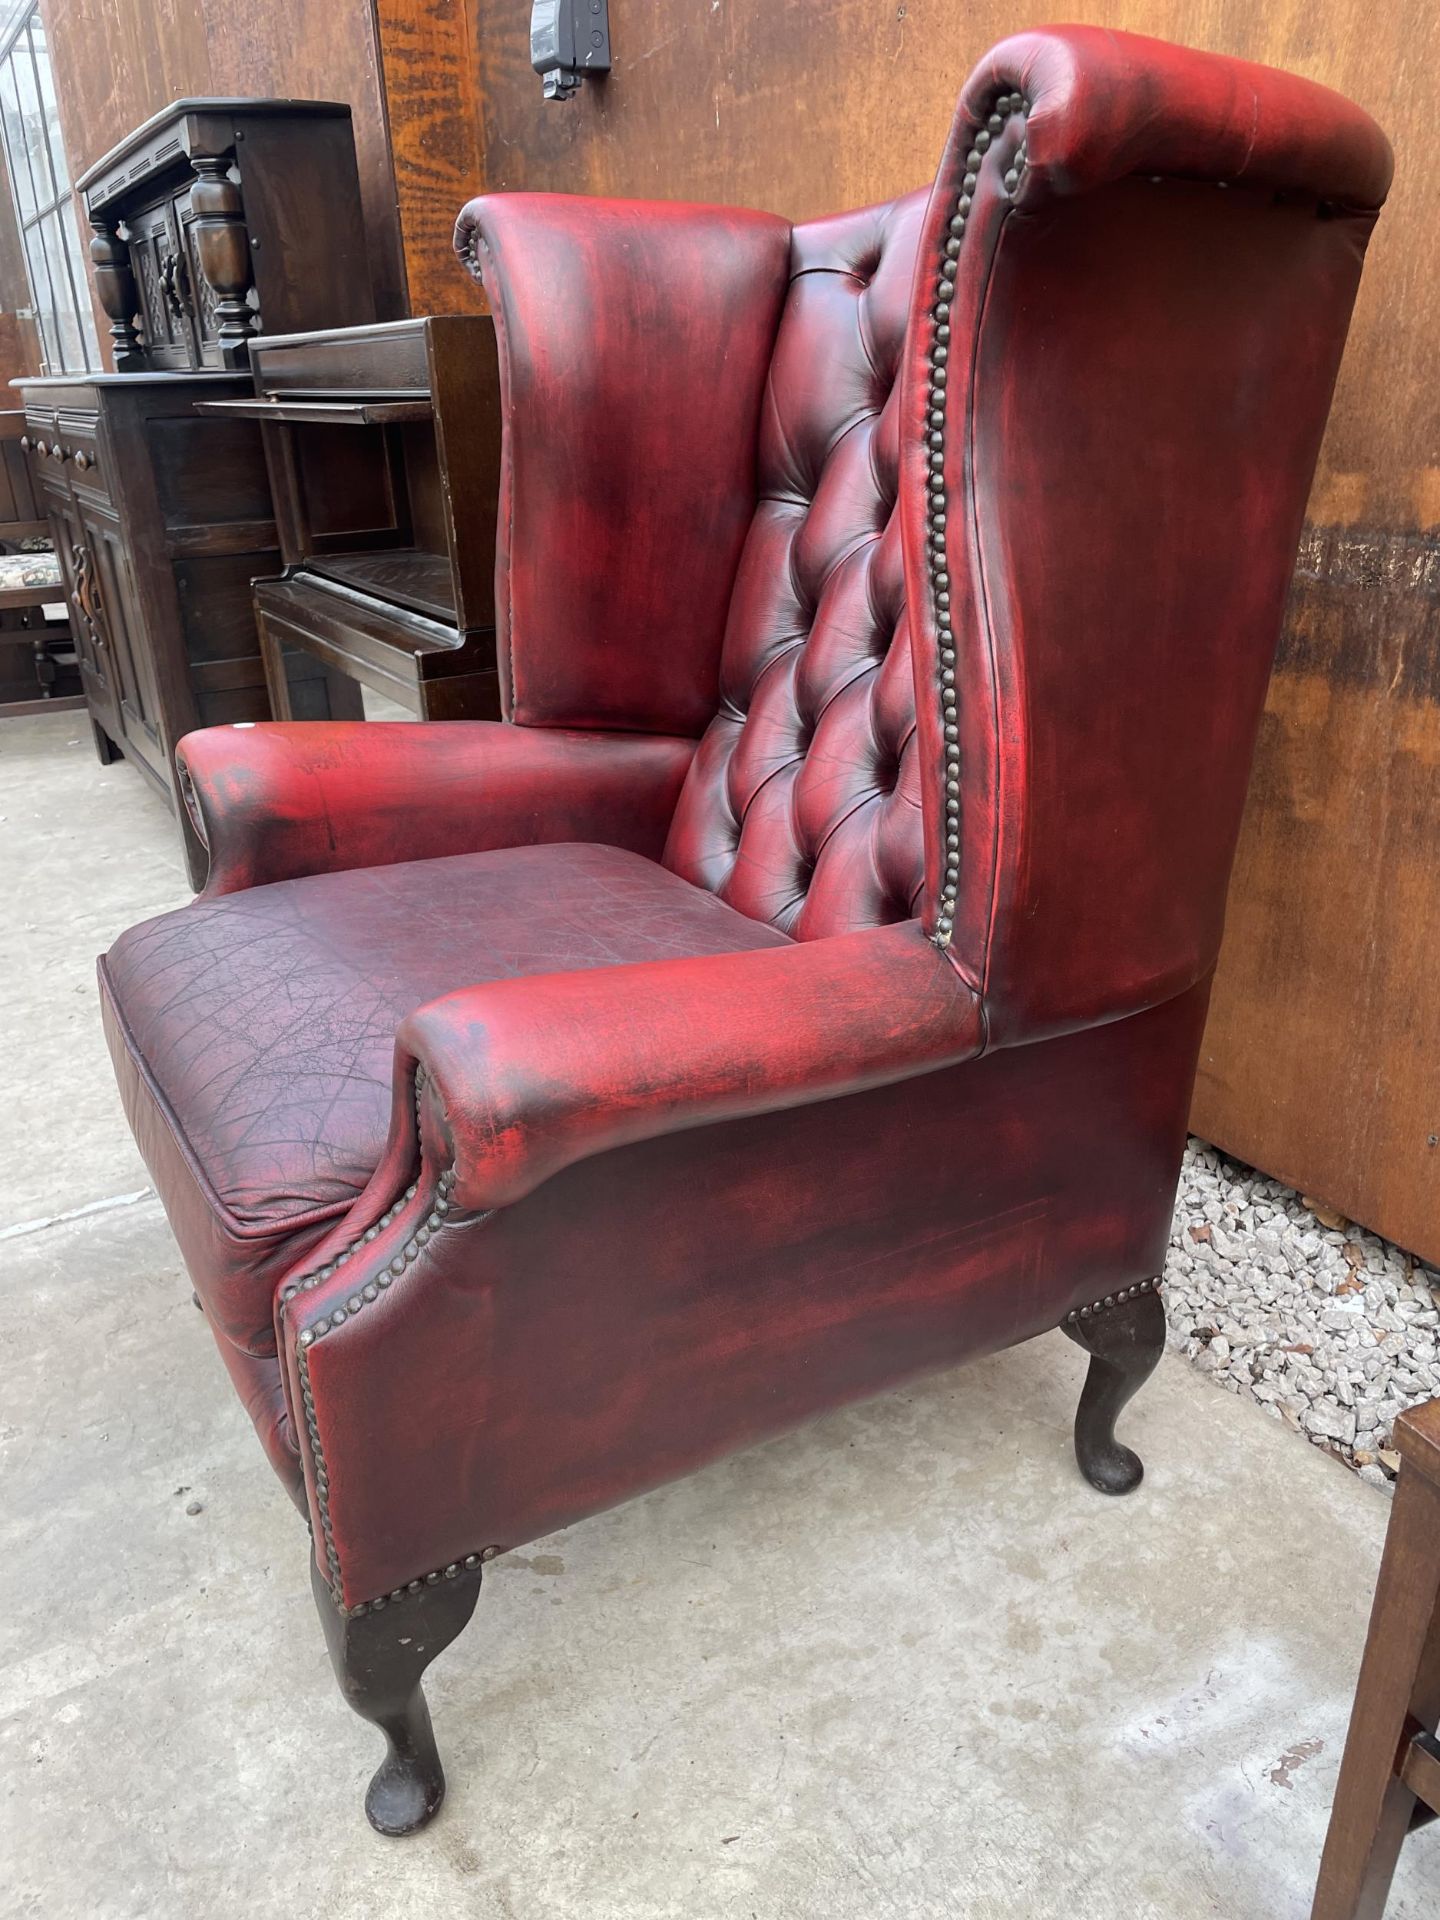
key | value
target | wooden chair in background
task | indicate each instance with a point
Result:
(46, 675)
(1390, 1776)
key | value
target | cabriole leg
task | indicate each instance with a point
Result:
(1124, 1336)
(380, 1658)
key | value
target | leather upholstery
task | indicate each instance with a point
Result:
(535, 1074)
(957, 531)
(651, 1308)
(260, 1386)
(255, 1033)
(640, 530)
(276, 802)
(1152, 287)
(802, 806)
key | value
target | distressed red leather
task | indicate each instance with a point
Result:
(694, 1292)
(886, 606)
(275, 802)
(1153, 319)
(634, 342)
(803, 803)
(254, 1034)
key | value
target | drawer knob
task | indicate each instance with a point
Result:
(57, 451)
(25, 443)
(83, 460)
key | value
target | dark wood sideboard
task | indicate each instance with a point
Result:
(161, 518)
(221, 219)
(214, 221)
(384, 451)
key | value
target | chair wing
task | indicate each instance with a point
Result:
(1135, 279)
(634, 342)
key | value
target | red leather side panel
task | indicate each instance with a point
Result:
(634, 340)
(1133, 643)
(1117, 379)
(652, 1308)
(261, 1389)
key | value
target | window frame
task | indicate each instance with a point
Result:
(65, 321)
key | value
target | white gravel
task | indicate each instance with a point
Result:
(1328, 1327)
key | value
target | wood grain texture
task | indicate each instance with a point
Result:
(432, 95)
(118, 61)
(1322, 1058)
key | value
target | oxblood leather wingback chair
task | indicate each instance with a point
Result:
(803, 989)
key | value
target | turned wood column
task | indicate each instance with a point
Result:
(223, 249)
(115, 284)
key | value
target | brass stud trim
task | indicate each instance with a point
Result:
(471, 1563)
(982, 138)
(1119, 1299)
(430, 1222)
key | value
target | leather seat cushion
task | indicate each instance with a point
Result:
(253, 1034)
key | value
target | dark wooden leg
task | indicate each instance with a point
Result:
(344, 695)
(1398, 1697)
(379, 1659)
(277, 680)
(1124, 1336)
(106, 750)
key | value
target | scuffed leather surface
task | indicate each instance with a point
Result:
(258, 1382)
(276, 801)
(262, 1026)
(1104, 105)
(535, 1074)
(802, 806)
(633, 340)
(651, 1308)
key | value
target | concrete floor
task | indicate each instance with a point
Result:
(901, 1663)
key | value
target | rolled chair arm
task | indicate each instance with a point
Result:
(278, 801)
(535, 1074)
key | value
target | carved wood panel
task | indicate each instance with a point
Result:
(118, 63)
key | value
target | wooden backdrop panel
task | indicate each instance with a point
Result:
(118, 61)
(432, 90)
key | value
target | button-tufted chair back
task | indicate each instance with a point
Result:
(959, 528)
(802, 807)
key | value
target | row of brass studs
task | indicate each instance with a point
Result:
(309, 1280)
(372, 1289)
(322, 1475)
(1112, 1300)
(456, 1567)
(1007, 104)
